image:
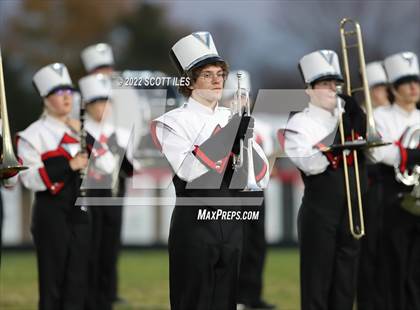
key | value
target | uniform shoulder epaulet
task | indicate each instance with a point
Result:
(174, 118)
(297, 121)
(32, 133)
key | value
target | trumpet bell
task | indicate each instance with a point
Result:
(251, 184)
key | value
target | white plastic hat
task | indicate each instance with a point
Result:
(51, 78)
(96, 56)
(194, 50)
(95, 87)
(402, 65)
(375, 73)
(320, 65)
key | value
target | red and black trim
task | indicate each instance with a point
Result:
(67, 139)
(259, 140)
(261, 174)
(218, 165)
(100, 146)
(335, 158)
(53, 187)
(56, 166)
(281, 137)
(403, 156)
(154, 136)
(211, 149)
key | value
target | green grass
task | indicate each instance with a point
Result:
(144, 280)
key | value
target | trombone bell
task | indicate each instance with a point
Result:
(9, 165)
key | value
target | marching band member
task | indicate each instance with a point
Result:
(50, 148)
(328, 252)
(369, 283)
(102, 143)
(378, 84)
(197, 140)
(400, 228)
(99, 59)
(250, 284)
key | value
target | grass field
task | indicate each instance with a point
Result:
(144, 280)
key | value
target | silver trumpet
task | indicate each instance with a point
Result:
(241, 105)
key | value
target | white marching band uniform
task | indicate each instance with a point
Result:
(200, 173)
(43, 138)
(400, 236)
(328, 252)
(308, 128)
(391, 122)
(109, 151)
(60, 229)
(181, 130)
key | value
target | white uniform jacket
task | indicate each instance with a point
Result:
(391, 122)
(180, 132)
(304, 131)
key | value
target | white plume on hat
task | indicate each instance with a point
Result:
(97, 55)
(52, 77)
(322, 64)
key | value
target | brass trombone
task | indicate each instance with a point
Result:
(9, 164)
(373, 139)
(350, 28)
(357, 230)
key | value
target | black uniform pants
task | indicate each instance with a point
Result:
(203, 261)
(400, 258)
(61, 235)
(370, 288)
(328, 257)
(252, 260)
(106, 243)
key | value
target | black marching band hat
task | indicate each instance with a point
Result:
(51, 78)
(320, 65)
(194, 50)
(97, 56)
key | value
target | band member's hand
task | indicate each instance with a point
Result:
(356, 115)
(74, 124)
(79, 161)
